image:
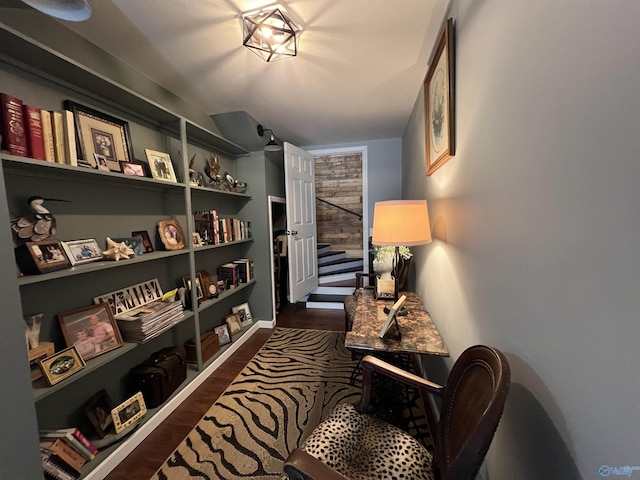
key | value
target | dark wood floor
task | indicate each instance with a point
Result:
(145, 460)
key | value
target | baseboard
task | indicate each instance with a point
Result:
(136, 438)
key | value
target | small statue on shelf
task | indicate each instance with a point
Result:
(116, 251)
(37, 226)
(211, 170)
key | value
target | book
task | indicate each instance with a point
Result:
(63, 450)
(33, 127)
(84, 441)
(67, 435)
(54, 467)
(47, 136)
(57, 128)
(14, 138)
(70, 149)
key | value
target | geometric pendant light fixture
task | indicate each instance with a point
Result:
(72, 10)
(270, 34)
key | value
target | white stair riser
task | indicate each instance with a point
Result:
(325, 305)
(331, 258)
(340, 266)
(333, 291)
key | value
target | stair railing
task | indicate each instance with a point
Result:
(340, 208)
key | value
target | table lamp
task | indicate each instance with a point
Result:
(400, 223)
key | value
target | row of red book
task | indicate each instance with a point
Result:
(236, 272)
(64, 451)
(29, 131)
(214, 230)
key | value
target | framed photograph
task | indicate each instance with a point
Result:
(223, 334)
(98, 410)
(233, 321)
(171, 234)
(146, 240)
(160, 166)
(133, 242)
(92, 330)
(391, 329)
(97, 132)
(61, 365)
(128, 412)
(42, 257)
(82, 251)
(439, 102)
(244, 313)
(101, 162)
(134, 167)
(199, 292)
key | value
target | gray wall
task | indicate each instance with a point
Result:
(535, 225)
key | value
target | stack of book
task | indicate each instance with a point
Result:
(215, 230)
(245, 269)
(147, 321)
(64, 451)
(29, 131)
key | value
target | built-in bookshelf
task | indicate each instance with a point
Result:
(99, 204)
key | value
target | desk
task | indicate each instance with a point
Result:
(419, 334)
(419, 337)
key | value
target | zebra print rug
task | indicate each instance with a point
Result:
(284, 392)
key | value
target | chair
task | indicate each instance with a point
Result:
(353, 445)
(351, 301)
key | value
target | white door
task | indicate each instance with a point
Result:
(302, 248)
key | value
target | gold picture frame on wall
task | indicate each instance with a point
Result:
(439, 102)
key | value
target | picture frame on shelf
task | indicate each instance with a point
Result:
(134, 167)
(160, 166)
(439, 102)
(92, 330)
(171, 234)
(244, 313)
(101, 133)
(233, 321)
(101, 162)
(128, 412)
(61, 365)
(82, 251)
(42, 257)
(133, 242)
(98, 411)
(146, 240)
(223, 334)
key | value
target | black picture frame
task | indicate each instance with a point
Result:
(98, 409)
(101, 133)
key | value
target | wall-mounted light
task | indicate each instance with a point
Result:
(271, 145)
(72, 10)
(270, 34)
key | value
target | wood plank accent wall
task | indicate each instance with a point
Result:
(339, 181)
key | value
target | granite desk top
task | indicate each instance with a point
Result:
(419, 334)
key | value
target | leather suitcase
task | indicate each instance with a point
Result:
(209, 344)
(159, 376)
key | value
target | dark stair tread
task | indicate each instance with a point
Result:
(326, 298)
(339, 261)
(330, 252)
(344, 270)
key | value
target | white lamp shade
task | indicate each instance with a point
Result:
(401, 223)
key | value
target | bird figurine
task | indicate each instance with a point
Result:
(37, 226)
(116, 251)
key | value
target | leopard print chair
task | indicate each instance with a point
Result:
(352, 445)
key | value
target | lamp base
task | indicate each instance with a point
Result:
(400, 313)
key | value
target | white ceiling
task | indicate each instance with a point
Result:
(359, 68)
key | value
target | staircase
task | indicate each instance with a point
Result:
(336, 278)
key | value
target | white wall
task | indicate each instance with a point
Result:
(536, 226)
